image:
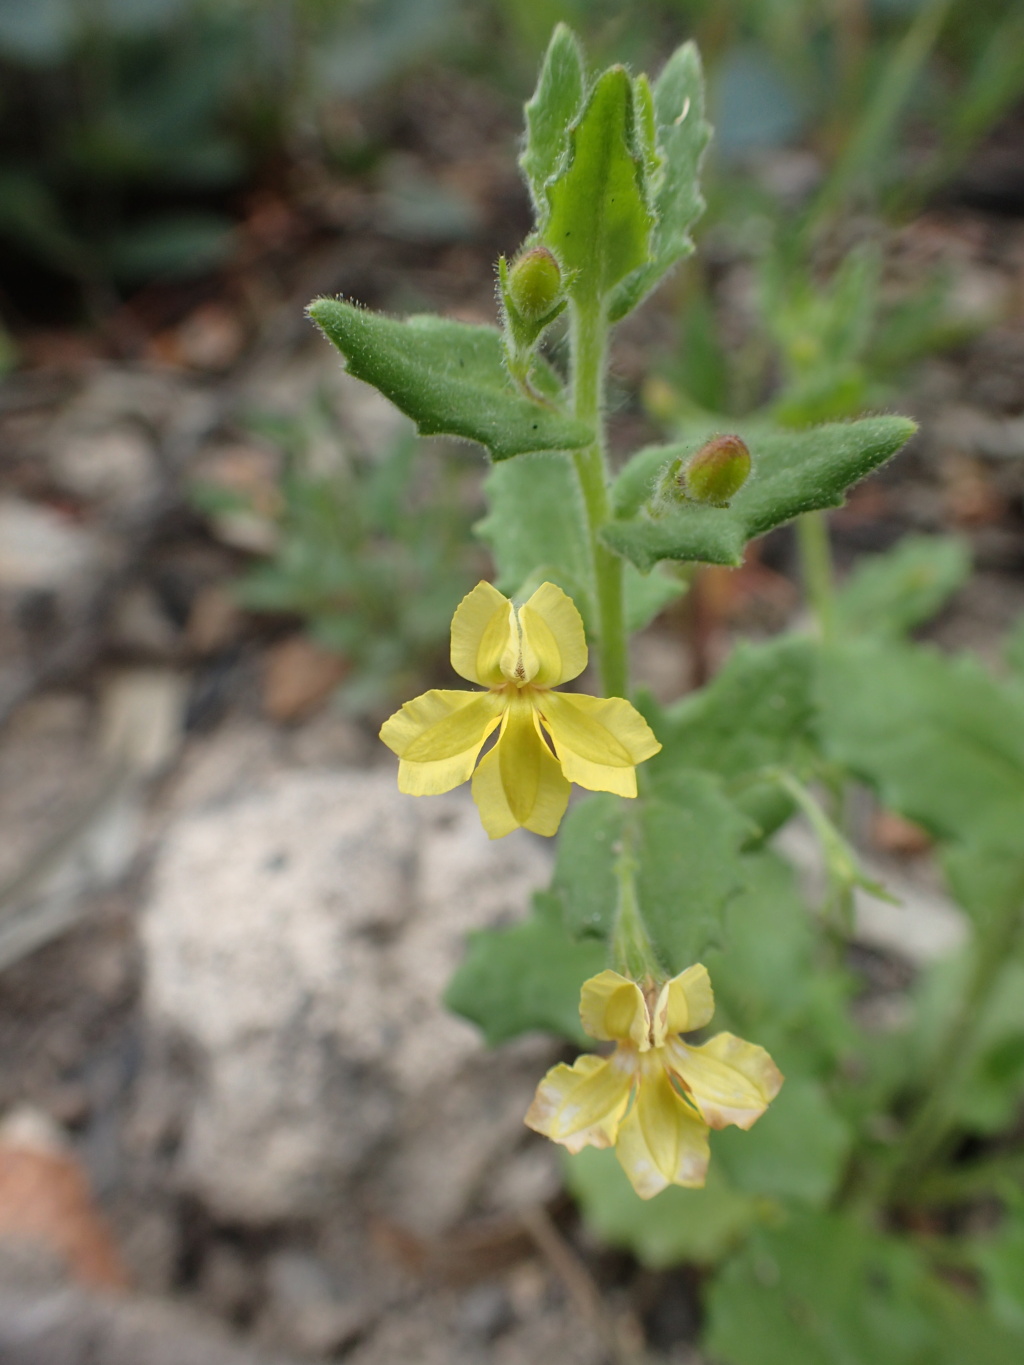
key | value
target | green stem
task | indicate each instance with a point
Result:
(589, 338)
(631, 949)
(816, 571)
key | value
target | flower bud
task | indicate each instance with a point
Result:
(717, 472)
(535, 283)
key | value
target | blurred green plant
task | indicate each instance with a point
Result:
(873, 1213)
(371, 551)
(125, 127)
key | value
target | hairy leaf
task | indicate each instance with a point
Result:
(758, 712)
(793, 472)
(697, 1227)
(796, 1151)
(686, 840)
(549, 114)
(526, 977)
(537, 530)
(682, 137)
(888, 594)
(600, 221)
(767, 986)
(449, 377)
(585, 868)
(537, 526)
(824, 1289)
(690, 836)
(939, 738)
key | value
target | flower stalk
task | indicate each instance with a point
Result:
(588, 342)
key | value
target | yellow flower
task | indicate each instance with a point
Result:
(547, 739)
(677, 1090)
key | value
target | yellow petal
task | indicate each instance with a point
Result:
(554, 630)
(482, 626)
(613, 1007)
(581, 1105)
(662, 1141)
(495, 815)
(730, 1081)
(520, 782)
(438, 736)
(684, 1003)
(441, 724)
(598, 740)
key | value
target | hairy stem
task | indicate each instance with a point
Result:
(632, 951)
(816, 571)
(589, 338)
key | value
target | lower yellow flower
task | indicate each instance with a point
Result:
(678, 1091)
(546, 739)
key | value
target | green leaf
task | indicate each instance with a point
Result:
(793, 472)
(1013, 648)
(646, 595)
(822, 1290)
(988, 881)
(690, 836)
(888, 594)
(987, 1096)
(768, 982)
(796, 1151)
(1001, 1262)
(687, 841)
(537, 530)
(537, 527)
(449, 377)
(600, 221)
(695, 1226)
(526, 977)
(584, 877)
(758, 712)
(549, 114)
(940, 740)
(682, 137)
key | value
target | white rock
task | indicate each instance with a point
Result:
(41, 550)
(298, 938)
(115, 466)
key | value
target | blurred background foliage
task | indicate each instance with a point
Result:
(129, 128)
(133, 136)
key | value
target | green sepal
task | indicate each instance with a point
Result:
(526, 977)
(793, 472)
(450, 378)
(553, 108)
(522, 332)
(600, 220)
(681, 141)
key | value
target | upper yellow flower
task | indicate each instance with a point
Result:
(679, 1090)
(519, 655)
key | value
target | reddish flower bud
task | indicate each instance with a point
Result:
(717, 472)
